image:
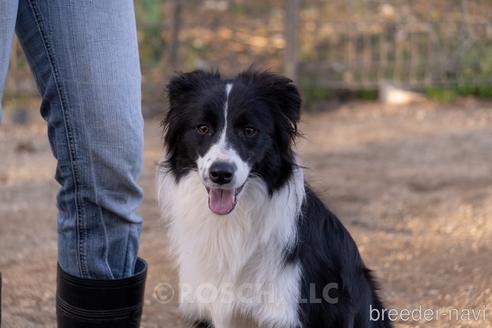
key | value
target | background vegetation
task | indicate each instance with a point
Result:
(440, 47)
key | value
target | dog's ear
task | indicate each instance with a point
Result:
(279, 92)
(181, 90)
(181, 87)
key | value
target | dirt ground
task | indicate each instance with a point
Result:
(413, 185)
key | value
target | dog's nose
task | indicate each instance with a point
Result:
(221, 172)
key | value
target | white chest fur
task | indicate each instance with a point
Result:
(231, 267)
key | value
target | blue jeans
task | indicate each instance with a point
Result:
(84, 56)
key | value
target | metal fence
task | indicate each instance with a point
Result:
(352, 44)
(411, 43)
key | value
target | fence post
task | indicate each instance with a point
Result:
(176, 29)
(291, 28)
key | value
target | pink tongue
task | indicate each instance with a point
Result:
(221, 201)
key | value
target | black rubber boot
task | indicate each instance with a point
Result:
(89, 303)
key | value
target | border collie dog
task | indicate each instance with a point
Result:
(254, 244)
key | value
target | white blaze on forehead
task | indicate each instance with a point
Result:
(226, 108)
(220, 151)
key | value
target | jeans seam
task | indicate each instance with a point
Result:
(106, 242)
(125, 264)
(72, 151)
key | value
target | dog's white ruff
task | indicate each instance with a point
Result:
(244, 248)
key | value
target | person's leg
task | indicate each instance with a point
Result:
(84, 56)
(8, 14)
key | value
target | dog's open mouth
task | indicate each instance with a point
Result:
(222, 201)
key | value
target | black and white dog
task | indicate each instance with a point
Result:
(255, 246)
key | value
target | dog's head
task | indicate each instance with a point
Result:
(231, 130)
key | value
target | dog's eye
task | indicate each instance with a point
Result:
(203, 129)
(249, 131)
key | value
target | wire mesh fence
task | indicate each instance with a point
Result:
(411, 43)
(353, 44)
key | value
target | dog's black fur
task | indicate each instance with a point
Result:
(327, 254)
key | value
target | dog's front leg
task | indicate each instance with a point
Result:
(222, 316)
(224, 322)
